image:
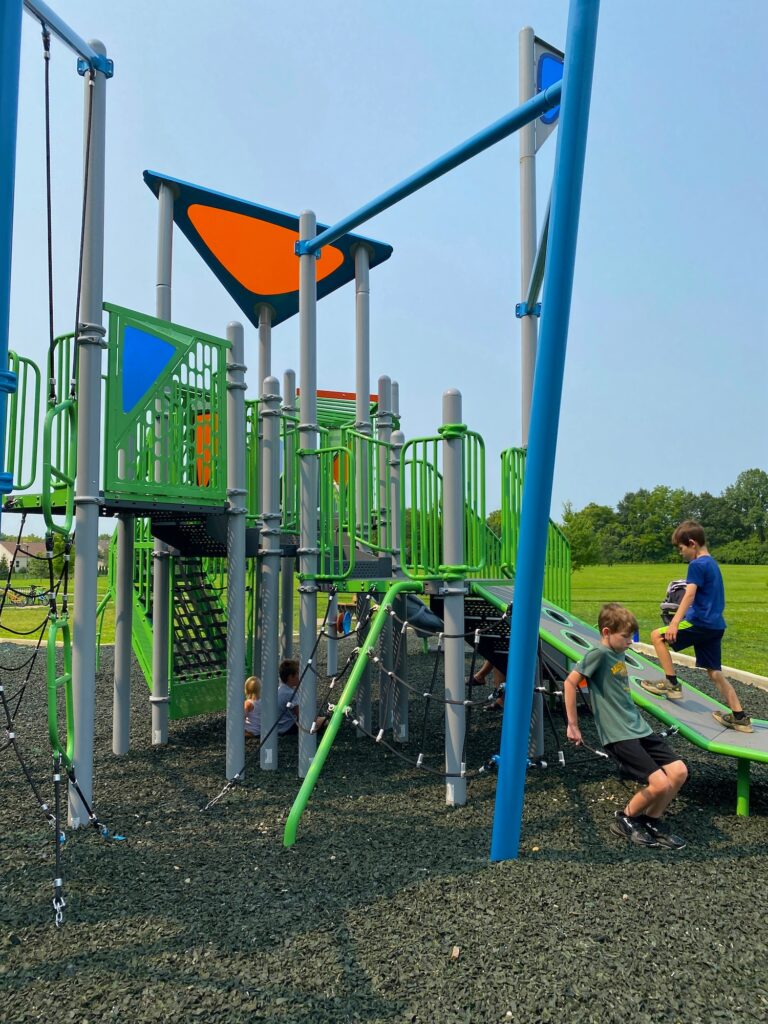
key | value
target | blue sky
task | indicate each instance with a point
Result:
(324, 106)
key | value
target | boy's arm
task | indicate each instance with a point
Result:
(570, 691)
(670, 633)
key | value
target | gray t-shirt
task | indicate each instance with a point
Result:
(616, 716)
(286, 719)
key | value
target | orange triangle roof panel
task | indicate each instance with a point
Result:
(250, 248)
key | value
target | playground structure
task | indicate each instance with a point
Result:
(216, 497)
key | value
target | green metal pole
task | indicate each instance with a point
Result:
(347, 696)
(742, 787)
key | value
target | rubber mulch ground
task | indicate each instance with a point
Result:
(387, 909)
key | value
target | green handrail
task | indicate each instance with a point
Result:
(346, 698)
(422, 484)
(62, 417)
(557, 568)
(100, 612)
(337, 518)
(22, 428)
(374, 519)
(55, 683)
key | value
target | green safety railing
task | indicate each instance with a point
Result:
(57, 683)
(557, 567)
(373, 499)
(59, 464)
(336, 525)
(421, 506)
(252, 461)
(170, 445)
(23, 423)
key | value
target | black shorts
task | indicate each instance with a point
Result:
(642, 757)
(706, 644)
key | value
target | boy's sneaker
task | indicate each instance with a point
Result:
(663, 688)
(634, 831)
(727, 719)
(662, 835)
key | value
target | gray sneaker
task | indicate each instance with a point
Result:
(727, 719)
(663, 688)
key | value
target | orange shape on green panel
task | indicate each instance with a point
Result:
(259, 255)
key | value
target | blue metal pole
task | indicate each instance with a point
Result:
(62, 31)
(545, 411)
(488, 137)
(10, 55)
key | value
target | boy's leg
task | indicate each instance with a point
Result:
(727, 692)
(676, 774)
(662, 652)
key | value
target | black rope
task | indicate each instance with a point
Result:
(49, 212)
(81, 255)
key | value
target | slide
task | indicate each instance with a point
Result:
(568, 638)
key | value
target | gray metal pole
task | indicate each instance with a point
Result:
(400, 716)
(332, 642)
(237, 494)
(264, 371)
(308, 473)
(161, 559)
(121, 705)
(163, 287)
(363, 426)
(384, 433)
(265, 345)
(453, 590)
(529, 323)
(270, 560)
(90, 341)
(287, 566)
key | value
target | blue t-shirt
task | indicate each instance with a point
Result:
(709, 603)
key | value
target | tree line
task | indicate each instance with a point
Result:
(640, 527)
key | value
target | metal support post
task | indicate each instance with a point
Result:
(527, 136)
(265, 344)
(121, 705)
(400, 697)
(237, 492)
(308, 472)
(363, 426)
(270, 573)
(161, 558)
(384, 433)
(453, 555)
(90, 341)
(287, 564)
(545, 412)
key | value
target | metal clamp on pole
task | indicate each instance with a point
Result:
(91, 334)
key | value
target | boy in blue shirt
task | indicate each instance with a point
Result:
(625, 734)
(698, 623)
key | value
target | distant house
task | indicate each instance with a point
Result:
(26, 558)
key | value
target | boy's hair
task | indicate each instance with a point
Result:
(616, 618)
(689, 531)
(253, 687)
(288, 667)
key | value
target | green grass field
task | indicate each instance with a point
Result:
(642, 587)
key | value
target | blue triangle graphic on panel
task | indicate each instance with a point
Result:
(549, 71)
(145, 356)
